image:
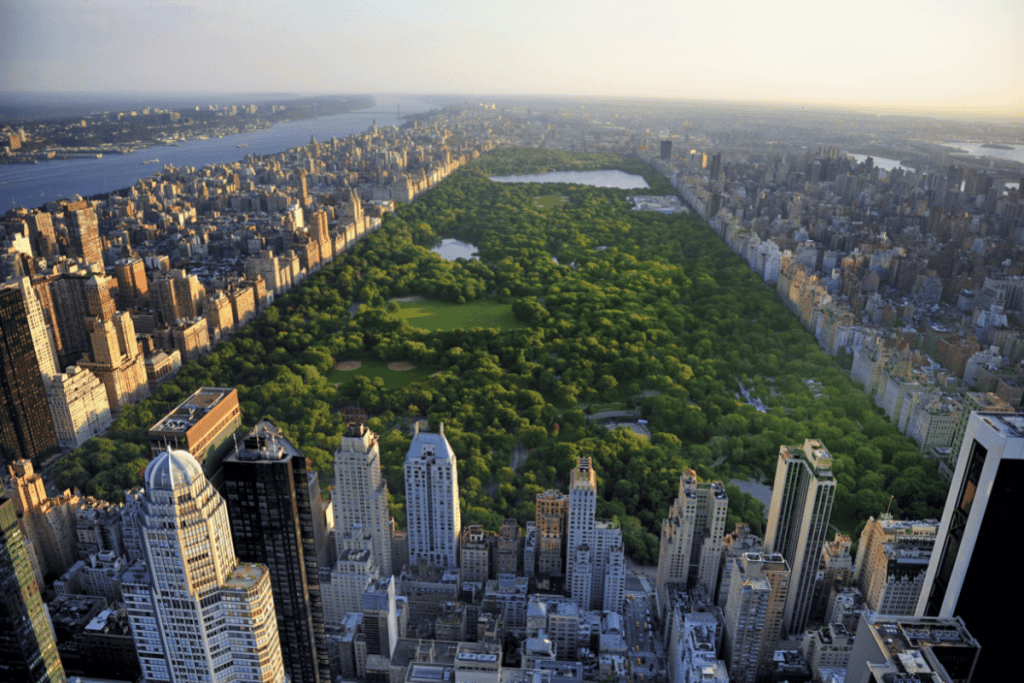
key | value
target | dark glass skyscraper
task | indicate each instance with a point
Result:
(28, 651)
(977, 534)
(26, 426)
(265, 484)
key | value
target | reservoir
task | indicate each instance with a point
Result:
(451, 249)
(611, 178)
(32, 185)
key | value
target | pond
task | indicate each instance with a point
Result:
(451, 249)
(608, 178)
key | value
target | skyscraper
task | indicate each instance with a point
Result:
(595, 575)
(360, 498)
(798, 521)
(265, 485)
(892, 562)
(582, 510)
(552, 513)
(196, 613)
(758, 586)
(979, 525)
(432, 511)
(132, 285)
(26, 426)
(691, 536)
(28, 651)
(83, 232)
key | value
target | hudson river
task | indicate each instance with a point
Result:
(32, 185)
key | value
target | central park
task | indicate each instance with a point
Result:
(576, 303)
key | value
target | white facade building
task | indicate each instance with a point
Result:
(79, 406)
(360, 498)
(196, 613)
(433, 517)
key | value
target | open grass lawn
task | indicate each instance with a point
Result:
(549, 201)
(371, 367)
(443, 315)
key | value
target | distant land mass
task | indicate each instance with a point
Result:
(994, 145)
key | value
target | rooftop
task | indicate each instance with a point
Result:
(191, 410)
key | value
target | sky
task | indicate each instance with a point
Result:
(891, 54)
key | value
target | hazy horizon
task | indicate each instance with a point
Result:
(908, 57)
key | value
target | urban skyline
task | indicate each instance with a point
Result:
(594, 558)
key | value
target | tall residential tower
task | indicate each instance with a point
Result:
(798, 521)
(196, 613)
(360, 498)
(267, 491)
(432, 511)
(691, 536)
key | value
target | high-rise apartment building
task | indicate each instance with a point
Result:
(507, 550)
(758, 587)
(42, 339)
(79, 406)
(26, 426)
(178, 296)
(380, 618)
(552, 518)
(798, 521)
(582, 512)
(691, 536)
(48, 523)
(265, 485)
(835, 568)
(28, 650)
(475, 550)
(132, 285)
(118, 361)
(83, 232)
(98, 298)
(978, 524)
(196, 613)
(892, 561)
(900, 648)
(593, 575)
(360, 498)
(432, 512)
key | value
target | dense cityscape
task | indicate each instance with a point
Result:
(217, 542)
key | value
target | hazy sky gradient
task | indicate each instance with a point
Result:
(926, 54)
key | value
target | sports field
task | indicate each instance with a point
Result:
(443, 315)
(372, 367)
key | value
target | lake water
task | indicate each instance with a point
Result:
(32, 185)
(617, 179)
(451, 249)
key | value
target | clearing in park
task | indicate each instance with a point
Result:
(549, 201)
(444, 315)
(401, 374)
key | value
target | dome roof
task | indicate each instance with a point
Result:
(171, 470)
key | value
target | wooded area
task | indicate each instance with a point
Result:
(641, 309)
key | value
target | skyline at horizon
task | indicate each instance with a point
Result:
(790, 53)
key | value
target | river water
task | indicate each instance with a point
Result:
(32, 185)
(881, 162)
(975, 149)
